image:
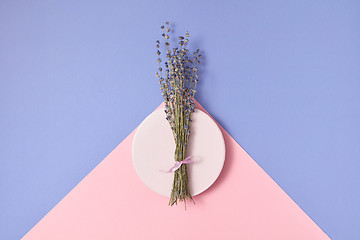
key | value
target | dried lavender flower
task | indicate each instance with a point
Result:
(178, 88)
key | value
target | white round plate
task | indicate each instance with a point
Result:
(154, 147)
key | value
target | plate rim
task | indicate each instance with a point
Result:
(216, 127)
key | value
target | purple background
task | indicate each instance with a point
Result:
(282, 77)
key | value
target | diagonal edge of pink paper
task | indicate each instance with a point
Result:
(111, 202)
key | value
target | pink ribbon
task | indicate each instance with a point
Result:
(177, 165)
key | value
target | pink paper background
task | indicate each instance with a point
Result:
(112, 203)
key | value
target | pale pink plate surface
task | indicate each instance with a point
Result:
(154, 146)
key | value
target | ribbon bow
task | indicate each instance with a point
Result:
(177, 165)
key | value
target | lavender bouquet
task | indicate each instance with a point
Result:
(178, 85)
